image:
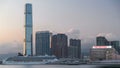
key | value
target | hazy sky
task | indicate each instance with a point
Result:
(84, 18)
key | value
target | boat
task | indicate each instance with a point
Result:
(73, 63)
(30, 60)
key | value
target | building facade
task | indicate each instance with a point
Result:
(72, 52)
(59, 45)
(102, 53)
(116, 45)
(28, 48)
(101, 41)
(75, 48)
(43, 43)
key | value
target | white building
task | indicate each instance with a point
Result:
(102, 53)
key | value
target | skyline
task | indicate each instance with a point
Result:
(83, 18)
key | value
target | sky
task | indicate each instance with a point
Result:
(82, 19)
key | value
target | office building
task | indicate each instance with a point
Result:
(116, 45)
(43, 43)
(75, 48)
(72, 52)
(59, 45)
(101, 41)
(28, 48)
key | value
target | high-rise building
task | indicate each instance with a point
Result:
(59, 45)
(75, 48)
(73, 52)
(101, 41)
(43, 39)
(116, 45)
(28, 30)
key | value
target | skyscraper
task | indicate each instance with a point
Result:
(73, 52)
(28, 30)
(43, 42)
(75, 48)
(59, 45)
(116, 45)
(100, 41)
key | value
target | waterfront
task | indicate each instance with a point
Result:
(47, 66)
(62, 37)
(59, 66)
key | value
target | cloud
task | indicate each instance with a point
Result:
(74, 33)
(109, 36)
(105, 34)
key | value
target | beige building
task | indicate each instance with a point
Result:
(102, 53)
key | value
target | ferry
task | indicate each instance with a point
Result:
(30, 60)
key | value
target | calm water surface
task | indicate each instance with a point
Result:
(47, 66)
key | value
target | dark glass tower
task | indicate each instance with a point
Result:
(43, 43)
(59, 45)
(28, 51)
(75, 48)
(116, 45)
(100, 41)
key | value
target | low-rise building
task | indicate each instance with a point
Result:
(102, 53)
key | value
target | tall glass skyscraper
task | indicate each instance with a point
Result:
(101, 40)
(28, 30)
(59, 45)
(43, 43)
(75, 48)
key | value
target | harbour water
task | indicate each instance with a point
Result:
(47, 66)
(54, 66)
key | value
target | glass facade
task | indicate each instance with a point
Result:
(59, 45)
(43, 42)
(75, 45)
(100, 41)
(28, 30)
(115, 44)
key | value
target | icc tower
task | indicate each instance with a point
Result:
(28, 45)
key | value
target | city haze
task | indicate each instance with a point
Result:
(84, 19)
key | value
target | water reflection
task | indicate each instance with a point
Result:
(59, 66)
